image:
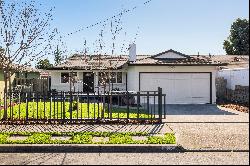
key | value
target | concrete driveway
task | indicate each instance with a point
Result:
(209, 127)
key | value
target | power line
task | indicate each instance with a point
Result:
(106, 20)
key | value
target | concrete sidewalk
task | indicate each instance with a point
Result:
(209, 127)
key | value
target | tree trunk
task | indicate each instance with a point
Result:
(5, 94)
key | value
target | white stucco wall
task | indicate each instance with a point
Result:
(56, 81)
(133, 74)
(235, 77)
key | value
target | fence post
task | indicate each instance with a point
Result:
(88, 104)
(160, 103)
(148, 104)
(71, 105)
(164, 106)
(127, 96)
(27, 107)
(110, 104)
(63, 106)
(138, 104)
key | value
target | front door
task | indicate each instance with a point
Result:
(88, 82)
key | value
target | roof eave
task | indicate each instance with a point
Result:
(222, 64)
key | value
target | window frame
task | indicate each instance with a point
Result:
(110, 79)
(62, 78)
(70, 74)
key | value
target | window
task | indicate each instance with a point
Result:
(74, 77)
(119, 77)
(65, 77)
(103, 78)
(115, 77)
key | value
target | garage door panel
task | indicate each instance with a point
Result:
(200, 90)
(180, 88)
(182, 93)
(201, 76)
(181, 76)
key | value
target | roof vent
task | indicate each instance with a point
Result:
(236, 59)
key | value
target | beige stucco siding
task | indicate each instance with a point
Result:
(2, 84)
(133, 74)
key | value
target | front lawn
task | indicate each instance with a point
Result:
(80, 111)
(86, 138)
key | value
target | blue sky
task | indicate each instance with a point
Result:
(187, 26)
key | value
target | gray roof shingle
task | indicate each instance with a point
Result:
(104, 62)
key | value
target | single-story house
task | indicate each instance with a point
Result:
(185, 79)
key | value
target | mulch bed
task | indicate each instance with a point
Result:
(235, 106)
(242, 107)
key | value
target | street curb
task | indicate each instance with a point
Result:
(89, 148)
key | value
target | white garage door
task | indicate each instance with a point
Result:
(180, 88)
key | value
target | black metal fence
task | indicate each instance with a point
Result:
(78, 107)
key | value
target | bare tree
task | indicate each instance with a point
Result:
(25, 37)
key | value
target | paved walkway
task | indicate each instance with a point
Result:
(152, 129)
(209, 127)
(196, 158)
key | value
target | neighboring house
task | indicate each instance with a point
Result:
(237, 70)
(31, 79)
(20, 77)
(185, 79)
(28, 73)
(2, 83)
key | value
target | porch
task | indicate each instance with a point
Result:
(88, 82)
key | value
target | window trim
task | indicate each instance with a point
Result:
(115, 77)
(61, 77)
(68, 77)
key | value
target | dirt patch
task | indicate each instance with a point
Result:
(100, 139)
(17, 138)
(139, 138)
(60, 138)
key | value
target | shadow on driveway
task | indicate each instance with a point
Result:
(195, 109)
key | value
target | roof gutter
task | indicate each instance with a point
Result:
(222, 64)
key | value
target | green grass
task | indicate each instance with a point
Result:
(42, 111)
(86, 138)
